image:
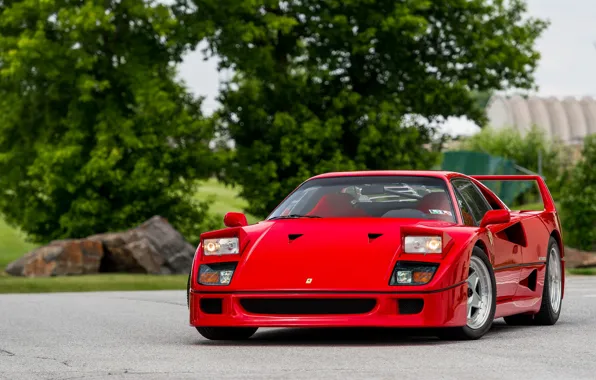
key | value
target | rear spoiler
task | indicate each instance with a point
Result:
(547, 199)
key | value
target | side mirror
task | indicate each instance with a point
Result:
(235, 219)
(495, 217)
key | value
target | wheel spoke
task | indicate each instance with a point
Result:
(475, 301)
(473, 281)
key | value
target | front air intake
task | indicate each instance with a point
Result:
(211, 305)
(308, 306)
(409, 306)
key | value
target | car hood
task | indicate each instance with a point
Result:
(318, 254)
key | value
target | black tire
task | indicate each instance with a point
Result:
(227, 333)
(519, 320)
(546, 316)
(466, 332)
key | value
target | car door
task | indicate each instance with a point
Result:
(506, 255)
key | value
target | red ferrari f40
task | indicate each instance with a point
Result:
(382, 249)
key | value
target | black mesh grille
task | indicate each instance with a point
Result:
(308, 306)
(410, 306)
(211, 305)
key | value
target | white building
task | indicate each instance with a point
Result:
(568, 119)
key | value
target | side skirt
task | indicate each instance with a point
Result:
(518, 306)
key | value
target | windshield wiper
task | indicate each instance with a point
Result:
(294, 216)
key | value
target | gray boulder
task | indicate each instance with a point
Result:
(154, 247)
(62, 257)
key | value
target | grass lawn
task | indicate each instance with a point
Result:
(92, 283)
(582, 271)
(539, 206)
(12, 245)
(224, 199)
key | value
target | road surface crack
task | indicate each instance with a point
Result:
(6, 353)
(65, 362)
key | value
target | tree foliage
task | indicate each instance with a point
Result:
(578, 201)
(95, 133)
(325, 85)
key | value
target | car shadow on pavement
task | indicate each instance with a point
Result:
(335, 337)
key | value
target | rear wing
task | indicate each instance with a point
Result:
(547, 199)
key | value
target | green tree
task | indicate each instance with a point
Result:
(579, 200)
(333, 84)
(95, 132)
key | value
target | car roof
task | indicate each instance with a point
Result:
(413, 173)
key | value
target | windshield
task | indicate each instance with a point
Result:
(369, 196)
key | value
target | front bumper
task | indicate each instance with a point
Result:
(439, 308)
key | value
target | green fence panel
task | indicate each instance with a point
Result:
(472, 163)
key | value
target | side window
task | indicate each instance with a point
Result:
(473, 198)
(465, 210)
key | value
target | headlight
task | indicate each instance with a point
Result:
(216, 274)
(408, 273)
(223, 246)
(423, 244)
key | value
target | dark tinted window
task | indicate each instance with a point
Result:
(370, 196)
(475, 202)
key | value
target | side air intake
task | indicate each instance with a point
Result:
(530, 281)
(515, 234)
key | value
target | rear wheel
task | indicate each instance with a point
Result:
(482, 299)
(227, 333)
(552, 293)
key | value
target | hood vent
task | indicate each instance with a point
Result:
(293, 237)
(372, 237)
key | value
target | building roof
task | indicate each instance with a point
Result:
(568, 119)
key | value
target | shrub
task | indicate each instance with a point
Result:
(579, 200)
(524, 150)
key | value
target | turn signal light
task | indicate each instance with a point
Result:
(422, 277)
(411, 273)
(216, 274)
(209, 278)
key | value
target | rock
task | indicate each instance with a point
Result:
(574, 258)
(154, 247)
(61, 257)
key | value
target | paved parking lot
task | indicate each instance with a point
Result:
(145, 335)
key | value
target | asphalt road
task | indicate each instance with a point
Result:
(145, 335)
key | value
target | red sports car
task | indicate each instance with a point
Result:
(382, 249)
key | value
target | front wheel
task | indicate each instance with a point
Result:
(227, 333)
(482, 300)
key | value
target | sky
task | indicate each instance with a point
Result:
(567, 66)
